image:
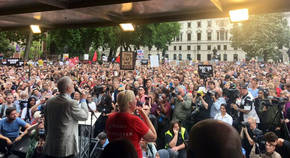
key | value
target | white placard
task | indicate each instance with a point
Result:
(86, 56)
(105, 58)
(140, 54)
(65, 56)
(154, 61)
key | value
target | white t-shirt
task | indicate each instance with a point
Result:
(93, 106)
(227, 118)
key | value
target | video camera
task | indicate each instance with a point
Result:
(200, 93)
(98, 90)
(272, 101)
(260, 142)
(232, 93)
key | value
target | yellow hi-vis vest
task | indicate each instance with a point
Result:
(169, 133)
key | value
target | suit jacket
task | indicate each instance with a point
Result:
(61, 125)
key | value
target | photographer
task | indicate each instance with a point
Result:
(104, 106)
(252, 133)
(104, 102)
(268, 111)
(201, 111)
(231, 94)
(182, 103)
(208, 96)
(259, 100)
(270, 146)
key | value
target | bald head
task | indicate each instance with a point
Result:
(212, 138)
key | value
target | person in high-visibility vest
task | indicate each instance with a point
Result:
(175, 140)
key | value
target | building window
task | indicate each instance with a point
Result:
(222, 35)
(226, 35)
(188, 47)
(209, 36)
(209, 47)
(219, 57)
(209, 57)
(198, 47)
(219, 47)
(188, 56)
(174, 48)
(180, 47)
(177, 38)
(181, 36)
(198, 36)
(180, 56)
(174, 56)
(225, 47)
(209, 23)
(189, 25)
(166, 56)
(189, 37)
(235, 48)
(236, 57)
(225, 57)
(198, 24)
(198, 57)
(217, 35)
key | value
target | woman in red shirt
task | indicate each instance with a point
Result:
(125, 124)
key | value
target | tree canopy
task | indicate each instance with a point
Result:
(87, 40)
(262, 35)
(79, 41)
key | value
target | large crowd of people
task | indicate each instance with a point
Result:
(154, 108)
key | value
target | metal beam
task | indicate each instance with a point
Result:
(53, 5)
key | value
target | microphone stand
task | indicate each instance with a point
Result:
(91, 126)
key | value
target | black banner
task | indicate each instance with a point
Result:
(205, 71)
(144, 62)
(13, 62)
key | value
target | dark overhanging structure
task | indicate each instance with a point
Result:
(51, 14)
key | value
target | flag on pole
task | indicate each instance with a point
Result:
(95, 57)
(118, 59)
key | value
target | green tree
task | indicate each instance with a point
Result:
(159, 35)
(19, 37)
(5, 46)
(4, 43)
(79, 41)
(35, 50)
(74, 41)
(164, 34)
(262, 35)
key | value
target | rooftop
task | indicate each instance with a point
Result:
(50, 14)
